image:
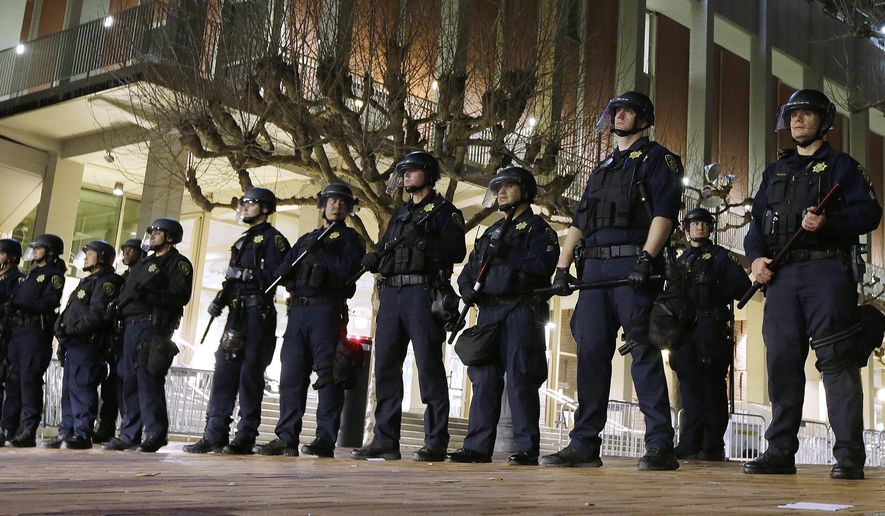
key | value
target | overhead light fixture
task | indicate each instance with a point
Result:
(20, 49)
(108, 22)
(686, 181)
(118, 189)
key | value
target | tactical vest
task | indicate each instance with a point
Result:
(614, 198)
(499, 280)
(792, 188)
(701, 275)
(310, 275)
(406, 259)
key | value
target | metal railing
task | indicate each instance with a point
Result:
(815, 444)
(745, 436)
(624, 433)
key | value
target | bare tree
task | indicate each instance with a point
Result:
(338, 90)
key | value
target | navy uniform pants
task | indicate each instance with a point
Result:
(702, 386)
(144, 394)
(110, 392)
(403, 316)
(598, 316)
(310, 343)
(84, 370)
(30, 351)
(242, 375)
(811, 299)
(524, 361)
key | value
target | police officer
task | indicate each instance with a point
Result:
(248, 342)
(426, 238)
(82, 332)
(715, 277)
(317, 322)
(524, 257)
(151, 304)
(112, 386)
(10, 278)
(812, 294)
(32, 313)
(624, 219)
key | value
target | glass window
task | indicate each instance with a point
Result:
(98, 218)
(24, 232)
(129, 228)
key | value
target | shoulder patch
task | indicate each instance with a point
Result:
(458, 218)
(185, 267)
(57, 282)
(733, 257)
(109, 288)
(280, 240)
(672, 162)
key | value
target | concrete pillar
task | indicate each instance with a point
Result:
(631, 51)
(757, 371)
(858, 136)
(59, 199)
(163, 182)
(700, 90)
(762, 109)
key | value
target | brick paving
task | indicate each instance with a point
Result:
(99, 482)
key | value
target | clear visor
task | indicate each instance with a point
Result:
(80, 259)
(29, 253)
(491, 196)
(146, 241)
(243, 205)
(605, 119)
(394, 183)
(783, 118)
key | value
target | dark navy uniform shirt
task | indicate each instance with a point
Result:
(330, 263)
(84, 314)
(854, 210)
(158, 283)
(658, 168)
(526, 259)
(716, 274)
(40, 292)
(9, 283)
(261, 249)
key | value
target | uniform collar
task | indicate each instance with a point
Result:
(258, 228)
(431, 197)
(618, 154)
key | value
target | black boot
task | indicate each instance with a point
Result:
(771, 464)
(319, 448)
(54, 443)
(203, 446)
(152, 444)
(572, 457)
(375, 450)
(523, 458)
(465, 456)
(658, 459)
(429, 454)
(846, 472)
(238, 447)
(278, 447)
(78, 443)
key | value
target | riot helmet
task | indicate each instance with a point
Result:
(420, 160)
(638, 102)
(104, 251)
(133, 244)
(52, 244)
(260, 195)
(171, 228)
(812, 100)
(511, 175)
(698, 215)
(341, 191)
(12, 248)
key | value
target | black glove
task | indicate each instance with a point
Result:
(563, 281)
(215, 308)
(371, 261)
(238, 273)
(641, 270)
(468, 295)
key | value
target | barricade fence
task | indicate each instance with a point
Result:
(187, 398)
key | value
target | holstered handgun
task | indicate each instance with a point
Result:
(856, 262)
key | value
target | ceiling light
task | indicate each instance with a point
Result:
(118, 189)
(108, 22)
(19, 49)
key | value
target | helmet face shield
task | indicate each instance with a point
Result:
(244, 205)
(605, 119)
(394, 183)
(31, 252)
(491, 196)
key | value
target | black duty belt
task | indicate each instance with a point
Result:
(21, 319)
(714, 312)
(612, 251)
(403, 280)
(504, 300)
(803, 255)
(250, 301)
(310, 301)
(132, 319)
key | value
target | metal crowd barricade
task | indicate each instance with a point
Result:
(815, 444)
(745, 436)
(52, 379)
(873, 442)
(565, 418)
(624, 433)
(187, 397)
